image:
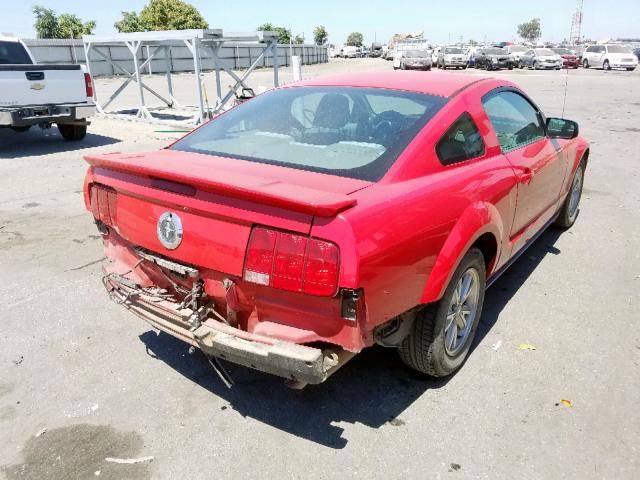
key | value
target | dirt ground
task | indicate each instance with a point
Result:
(103, 384)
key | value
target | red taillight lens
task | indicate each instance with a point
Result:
(88, 84)
(258, 265)
(292, 262)
(321, 268)
(289, 262)
(103, 204)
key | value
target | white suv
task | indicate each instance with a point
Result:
(608, 57)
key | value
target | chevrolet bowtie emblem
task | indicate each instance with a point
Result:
(37, 86)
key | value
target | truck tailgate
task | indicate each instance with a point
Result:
(27, 85)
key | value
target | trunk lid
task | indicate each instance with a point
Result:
(217, 199)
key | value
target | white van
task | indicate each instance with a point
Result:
(608, 57)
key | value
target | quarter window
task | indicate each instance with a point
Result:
(461, 142)
(515, 120)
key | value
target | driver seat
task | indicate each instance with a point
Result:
(332, 112)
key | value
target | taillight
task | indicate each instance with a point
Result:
(88, 84)
(292, 262)
(103, 204)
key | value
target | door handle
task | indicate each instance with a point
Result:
(525, 176)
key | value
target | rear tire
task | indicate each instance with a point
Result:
(605, 65)
(72, 133)
(427, 348)
(585, 63)
(571, 207)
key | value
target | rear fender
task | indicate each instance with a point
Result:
(479, 218)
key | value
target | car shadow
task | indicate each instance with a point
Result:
(36, 142)
(373, 389)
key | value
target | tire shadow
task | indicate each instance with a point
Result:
(37, 142)
(373, 389)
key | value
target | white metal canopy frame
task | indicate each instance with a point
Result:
(159, 43)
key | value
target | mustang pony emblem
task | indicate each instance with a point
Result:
(169, 230)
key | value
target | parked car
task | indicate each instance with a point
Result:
(636, 52)
(493, 59)
(609, 56)
(515, 51)
(376, 50)
(569, 60)
(32, 94)
(415, 60)
(320, 218)
(540, 58)
(452, 57)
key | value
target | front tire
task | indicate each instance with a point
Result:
(585, 63)
(442, 333)
(571, 206)
(605, 65)
(72, 133)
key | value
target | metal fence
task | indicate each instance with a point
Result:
(238, 55)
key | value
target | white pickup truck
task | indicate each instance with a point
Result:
(32, 94)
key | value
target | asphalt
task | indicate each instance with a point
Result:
(82, 380)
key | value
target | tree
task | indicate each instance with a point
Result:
(355, 39)
(284, 34)
(50, 25)
(130, 23)
(70, 26)
(162, 15)
(530, 30)
(46, 22)
(298, 40)
(320, 35)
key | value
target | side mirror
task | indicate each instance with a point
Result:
(561, 128)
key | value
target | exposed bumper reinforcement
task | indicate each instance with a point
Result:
(300, 363)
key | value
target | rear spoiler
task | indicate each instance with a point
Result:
(238, 185)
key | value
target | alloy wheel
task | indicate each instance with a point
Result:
(462, 312)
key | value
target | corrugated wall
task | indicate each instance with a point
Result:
(237, 55)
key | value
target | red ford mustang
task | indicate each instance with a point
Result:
(320, 218)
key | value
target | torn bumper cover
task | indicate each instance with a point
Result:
(300, 363)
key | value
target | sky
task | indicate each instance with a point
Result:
(441, 21)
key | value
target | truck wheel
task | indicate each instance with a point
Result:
(442, 333)
(72, 132)
(571, 206)
(585, 63)
(21, 129)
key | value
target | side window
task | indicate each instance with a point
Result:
(515, 120)
(461, 142)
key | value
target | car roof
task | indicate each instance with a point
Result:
(7, 38)
(434, 83)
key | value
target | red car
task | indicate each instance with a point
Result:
(569, 60)
(323, 217)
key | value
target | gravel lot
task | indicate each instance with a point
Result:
(103, 384)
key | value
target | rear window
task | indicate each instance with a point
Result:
(618, 49)
(350, 132)
(461, 142)
(13, 53)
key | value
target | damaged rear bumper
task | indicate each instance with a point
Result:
(299, 363)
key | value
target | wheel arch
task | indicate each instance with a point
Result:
(479, 226)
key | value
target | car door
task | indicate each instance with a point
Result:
(539, 170)
(526, 58)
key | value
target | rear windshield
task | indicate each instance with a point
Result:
(13, 53)
(350, 132)
(618, 49)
